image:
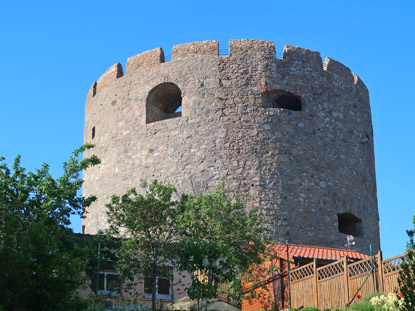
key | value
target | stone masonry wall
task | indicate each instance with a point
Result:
(301, 168)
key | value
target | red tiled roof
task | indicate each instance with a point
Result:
(317, 252)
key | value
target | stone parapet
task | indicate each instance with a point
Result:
(299, 58)
(112, 74)
(146, 59)
(337, 68)
(305, 57)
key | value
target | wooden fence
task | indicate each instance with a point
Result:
(334, 285)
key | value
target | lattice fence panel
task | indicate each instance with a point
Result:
(360, 267)
(330, 270)
(302, 272)
(394, 264)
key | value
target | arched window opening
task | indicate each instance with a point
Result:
(93, 132)
(350, 224)
(282, 99)
(164, 102)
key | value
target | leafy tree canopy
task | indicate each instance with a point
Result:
(220, 240)
(40, 264)
(212, 236)
(147, 225)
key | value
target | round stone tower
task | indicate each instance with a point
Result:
(292, 134)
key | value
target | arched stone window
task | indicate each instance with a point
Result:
(282, 99)
(163, 102)
(350, 224)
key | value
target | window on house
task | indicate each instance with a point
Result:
(164, 102)
(281, 99)
(350, 224)
(109, 283)
(163, 287)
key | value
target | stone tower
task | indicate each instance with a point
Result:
(292, 134)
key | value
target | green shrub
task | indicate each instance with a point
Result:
(406, 275)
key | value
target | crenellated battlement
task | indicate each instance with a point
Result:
(209, 48)
(252, 48)
(305, 57)
(112, 74)
(337, 68)
(238, 49)
(146, 59)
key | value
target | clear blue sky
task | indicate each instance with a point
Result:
(52, 51)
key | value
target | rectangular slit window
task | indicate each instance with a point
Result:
(163, 285)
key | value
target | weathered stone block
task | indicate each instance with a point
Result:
(251, 48)
(333, 66)
(195, 48)
(112, 74)
(145, 59)
(306, 57)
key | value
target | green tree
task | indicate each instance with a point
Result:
(146, 224)
(40, 263)
(220, 240)
(211, 236)
(407, 273)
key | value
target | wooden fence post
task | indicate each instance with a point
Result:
(289, 277)
(346, 280)
(282, 284)
(316, 284)
(380, 272)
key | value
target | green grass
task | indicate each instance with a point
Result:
(363, 305)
